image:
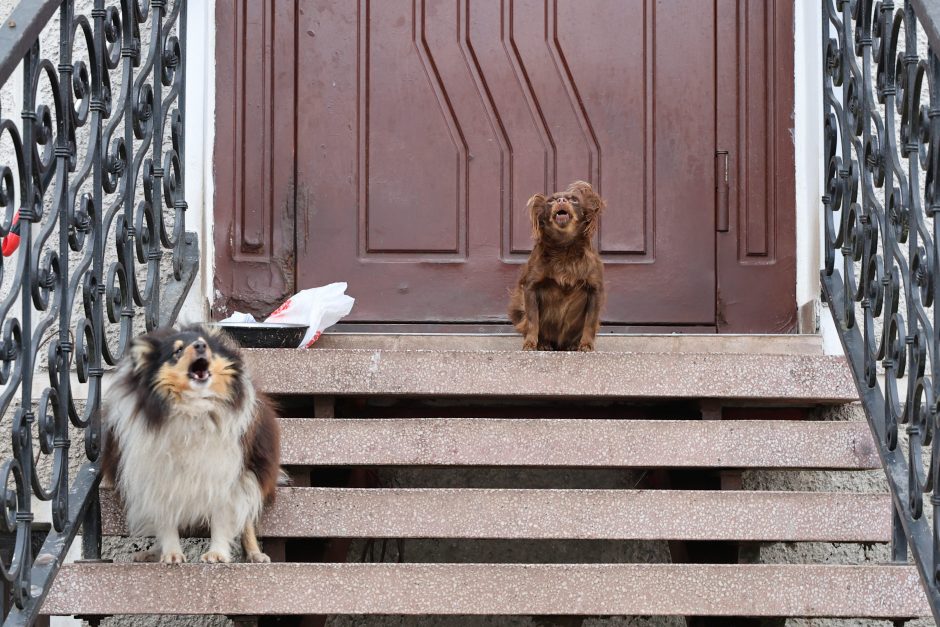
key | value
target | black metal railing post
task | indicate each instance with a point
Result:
(91, 182)
(881, 116)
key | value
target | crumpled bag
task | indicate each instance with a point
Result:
(241, 318)
(319, 308)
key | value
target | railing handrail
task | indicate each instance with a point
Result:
(928, 14)
(21, 30)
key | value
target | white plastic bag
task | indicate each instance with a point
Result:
(319, 308)
(240, 318)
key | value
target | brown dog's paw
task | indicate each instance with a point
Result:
(529, 345)
(214, 557)
(173, 557)
(586, 347)
(257, 557)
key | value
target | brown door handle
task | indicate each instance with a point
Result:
(721, 196)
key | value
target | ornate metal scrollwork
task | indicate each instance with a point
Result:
(881, 108)
(92, 221)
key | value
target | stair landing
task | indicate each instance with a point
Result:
(643, 367)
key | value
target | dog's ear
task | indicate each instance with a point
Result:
(536, 207)
(592, 204)
(143, 352)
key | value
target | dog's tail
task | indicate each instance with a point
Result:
(517, 310)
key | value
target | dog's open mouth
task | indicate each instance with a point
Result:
(562, 218)
(199, 370)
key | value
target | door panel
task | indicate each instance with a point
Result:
(424, 125)
(756, 85)
(407, 111)
(619, 91)
(254, 155)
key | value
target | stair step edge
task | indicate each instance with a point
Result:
(489, 589)
(578, 443)
(472, 513)
(780, 378)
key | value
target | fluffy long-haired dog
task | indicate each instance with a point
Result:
(190, 444)
(557, 302)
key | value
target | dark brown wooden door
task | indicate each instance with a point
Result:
(398, 141)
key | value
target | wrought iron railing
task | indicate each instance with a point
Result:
(881, 117)
(92, 221)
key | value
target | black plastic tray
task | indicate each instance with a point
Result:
(265, 335)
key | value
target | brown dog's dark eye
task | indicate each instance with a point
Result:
(575, 201)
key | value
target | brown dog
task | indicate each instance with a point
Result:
(557, 303)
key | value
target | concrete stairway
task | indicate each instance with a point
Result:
(780, 374)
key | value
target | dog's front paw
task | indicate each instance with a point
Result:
(530, 344)
(586, 347)
(257, 557)
(173, 557)
(214, 557)
(146, 556)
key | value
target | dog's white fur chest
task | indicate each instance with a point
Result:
(187, 471)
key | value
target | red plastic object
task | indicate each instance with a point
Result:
(12, 240)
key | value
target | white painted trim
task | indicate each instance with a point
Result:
(200, 143)
(807, 129)
(808, 150)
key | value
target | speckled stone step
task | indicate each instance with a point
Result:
(790, 379)
(578, 443)
(790, 344)
(566, 514)
(502, 589)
